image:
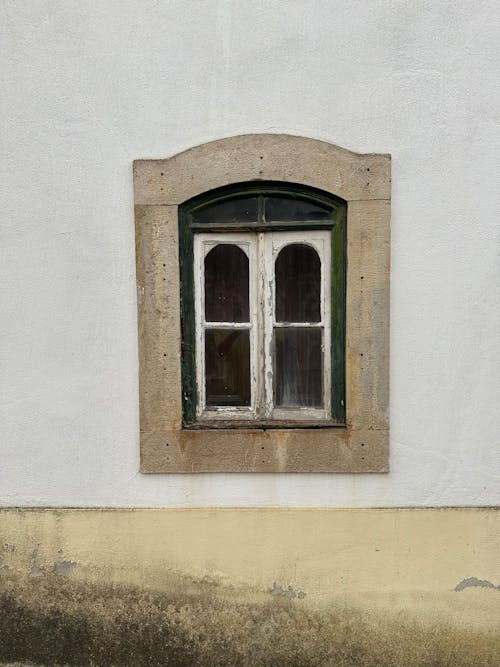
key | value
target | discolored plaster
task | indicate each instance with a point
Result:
(296, 588)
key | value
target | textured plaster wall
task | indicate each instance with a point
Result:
(88, 87)
(310, 586)
(324, 551)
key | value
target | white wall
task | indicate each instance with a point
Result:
(90, 86)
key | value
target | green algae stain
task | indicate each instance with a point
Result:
(55, 620)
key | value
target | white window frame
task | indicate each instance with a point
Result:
(203, 243)
(262, 249)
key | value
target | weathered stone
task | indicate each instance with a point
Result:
(160, 187)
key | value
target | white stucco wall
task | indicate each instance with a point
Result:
(90, 86)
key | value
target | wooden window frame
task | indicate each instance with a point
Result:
(162, 187)
(201, 415)
(333, 264)
(259, 246)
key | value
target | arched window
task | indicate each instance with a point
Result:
(263, 301)
(263, 307)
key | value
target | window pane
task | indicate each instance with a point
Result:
(227, 366)
(288, 209)
(226, 284)
(233, 210)
(298, 373)
(298, 284)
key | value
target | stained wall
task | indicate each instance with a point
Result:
(250, 587)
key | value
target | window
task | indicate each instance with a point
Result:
(263, 321)
(263, 307)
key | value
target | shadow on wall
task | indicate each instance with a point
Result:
(49, 619)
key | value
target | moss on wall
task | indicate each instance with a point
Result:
(256, 588)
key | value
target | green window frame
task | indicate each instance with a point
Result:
(262, 192)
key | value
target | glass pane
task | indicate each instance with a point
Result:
(298, 373)
(287, 209)
(232, 210)
(298, 284)
(227, 367)
(226, 284)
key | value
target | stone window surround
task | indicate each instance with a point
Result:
(363, 181)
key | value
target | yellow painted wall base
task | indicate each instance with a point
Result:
(250, 586)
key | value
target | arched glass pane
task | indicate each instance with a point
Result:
(298, 284)
(232, 210)
(289, 209)
(298, 367)
(227, 362)
(226, 284)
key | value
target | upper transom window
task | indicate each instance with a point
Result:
(263, 305)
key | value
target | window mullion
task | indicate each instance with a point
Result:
(259, 325)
